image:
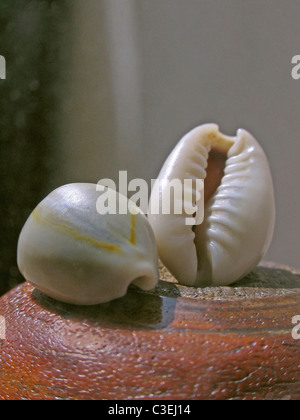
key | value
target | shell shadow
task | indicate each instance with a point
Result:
(267, 276)
(137, 309)
(156, 309)
(270, 278)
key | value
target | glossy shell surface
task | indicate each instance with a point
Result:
(72, 253)
(239, 208)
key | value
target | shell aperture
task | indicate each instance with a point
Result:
(239, 208)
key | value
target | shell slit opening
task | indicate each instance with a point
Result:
(216, 165)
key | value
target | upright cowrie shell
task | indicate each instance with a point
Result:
(72, 253)
(239, 208)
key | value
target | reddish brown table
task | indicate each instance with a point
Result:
(173, 343)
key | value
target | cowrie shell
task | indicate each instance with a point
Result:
(239, 208)
(72, 253)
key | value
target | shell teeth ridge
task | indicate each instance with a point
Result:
(246, 154)
(240, 166)
(224, 208)
(197, 164)
(201, 149)
(196, 170)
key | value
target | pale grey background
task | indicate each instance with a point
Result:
(143, 72)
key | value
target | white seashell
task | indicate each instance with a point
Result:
(71, 253)
(239, 208)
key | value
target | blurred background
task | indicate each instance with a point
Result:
(98, 86)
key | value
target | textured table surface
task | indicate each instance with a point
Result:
(173, 343)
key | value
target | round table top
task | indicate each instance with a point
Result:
(174, 342)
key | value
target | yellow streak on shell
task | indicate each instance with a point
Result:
(71, 232)
(132, 230)
(220, 141)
